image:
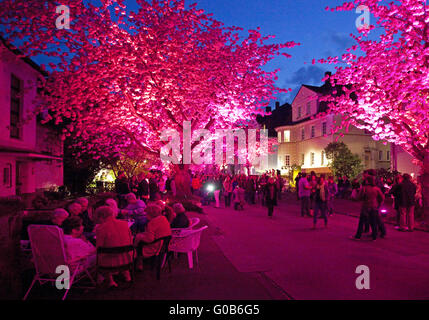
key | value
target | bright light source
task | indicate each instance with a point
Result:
(210, 188)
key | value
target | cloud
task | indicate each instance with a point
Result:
(341, 41)
(311, 75)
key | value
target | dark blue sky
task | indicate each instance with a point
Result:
(321, 33)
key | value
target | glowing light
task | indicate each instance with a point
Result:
(210, 188)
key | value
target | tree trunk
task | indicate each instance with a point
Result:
(424, 180)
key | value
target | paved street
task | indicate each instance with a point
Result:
(246, 255)
(320, 264)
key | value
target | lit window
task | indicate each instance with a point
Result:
(286, 136)
(323, 128)
(312, 158)
(302, 159)
(313, 131)
(15, 106)
(7, 176)
(279, 136)
(302, 134)
(287, 160)
(323, 158)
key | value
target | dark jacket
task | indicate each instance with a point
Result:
(180, 221)
(408, 194)
(270, 199)
(143, 188)
(121, 186)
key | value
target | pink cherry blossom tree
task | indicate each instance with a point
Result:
(386, 89)
(119, 78)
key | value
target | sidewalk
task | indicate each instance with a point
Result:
(215, 279)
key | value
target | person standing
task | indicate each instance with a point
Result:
(122, 188)
(313, 184)
(227, 187)
(142, 188)
(271, 196)
(297, 178)
(408, 194)
(395, 192)
(320, 199)
(304, 195)
(332, 192)
(372, 199)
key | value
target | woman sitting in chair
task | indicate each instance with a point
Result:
(158, 227)
(113, 233)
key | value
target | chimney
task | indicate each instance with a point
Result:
(267, 109)
(327, 81)
(277, 104)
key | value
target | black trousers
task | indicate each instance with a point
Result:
(371, 217)
(270, 210)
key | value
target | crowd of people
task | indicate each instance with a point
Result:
(317, 197)
(140, 214)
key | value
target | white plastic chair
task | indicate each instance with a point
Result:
(47, 246)
(192, 223)
(187, 242)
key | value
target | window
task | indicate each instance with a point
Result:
(388, 155)
(279, 137)
(15, 106)
(312, 158)
(322, 160)
(308, 108)
(7, 176)
(299, 112)
(313, 131)
(323, 128)
(286, 136)
(302, 134)
(302, 159)
(287, 160)
(380, 155)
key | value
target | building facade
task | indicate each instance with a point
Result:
(31, 154)
(305, 135)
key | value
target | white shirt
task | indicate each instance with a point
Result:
(77, 248)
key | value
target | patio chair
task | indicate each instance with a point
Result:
(127, 264)
(47, 246)
(192, 223)
(187, 242)
(159, 260)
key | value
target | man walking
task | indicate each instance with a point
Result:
(408, 193)
(304, 195)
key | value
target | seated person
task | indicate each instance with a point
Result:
(75, 244)
(113, 233)
(181, 220)
(58, 216)
(167, 211)
(88, 224)
(74, 209)
(158, 227)
(135, 209)
(238, 197)
(114, 205)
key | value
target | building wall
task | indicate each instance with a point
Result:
(36, 143)
(8, 66)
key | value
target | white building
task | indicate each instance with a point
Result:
(304, 137)
(31, 154)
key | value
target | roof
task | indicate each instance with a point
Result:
(27, 60)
